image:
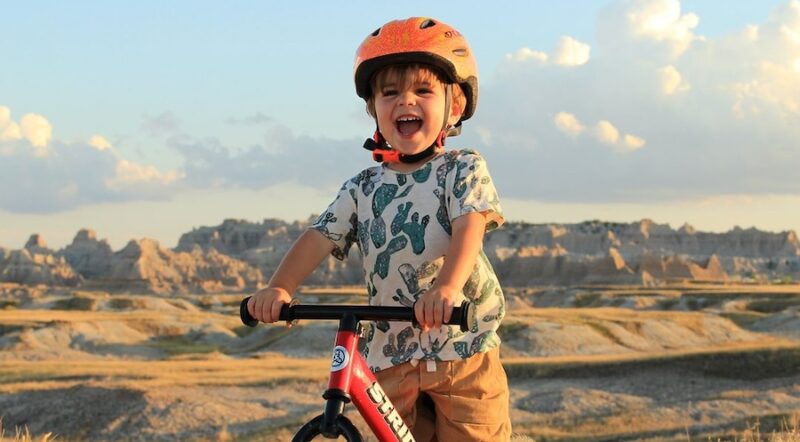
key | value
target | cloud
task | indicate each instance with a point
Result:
(9, 130)
(282, 158)
(33, 128)
(36, 129)
(162, 124)
(129, 175)
(569, 52)
(568, 124)
(632, 142)
(251, 120)
(39, 174)
(671, 80)
(99, 142)
(652, 27)
(603, 132)
(677, 115)
(525, 54)
(606, 133)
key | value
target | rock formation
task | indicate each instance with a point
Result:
(88, 256)
(36, 244)
(238, 255)
(145, 265)
(263, 245)
(31, 268)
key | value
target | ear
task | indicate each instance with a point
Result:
(455, 113)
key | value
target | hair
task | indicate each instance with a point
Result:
(408, 73)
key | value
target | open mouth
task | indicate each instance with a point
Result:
(408, 125)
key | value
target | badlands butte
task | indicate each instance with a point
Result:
(240, 255)
(613, 332)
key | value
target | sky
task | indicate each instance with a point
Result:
(149, 119)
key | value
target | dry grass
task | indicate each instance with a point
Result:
(790, 432)
(23, 435)
(47, 316)
(745, 360)
(45, 375)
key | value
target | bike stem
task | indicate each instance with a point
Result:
(341, 371)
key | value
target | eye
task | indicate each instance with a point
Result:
(389, 92)
(424, 90)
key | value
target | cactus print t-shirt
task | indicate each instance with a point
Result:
(401, 223)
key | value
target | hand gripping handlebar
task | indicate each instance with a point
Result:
(462, 316)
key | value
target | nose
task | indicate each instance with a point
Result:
(407, 98)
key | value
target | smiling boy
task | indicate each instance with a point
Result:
(418, 219)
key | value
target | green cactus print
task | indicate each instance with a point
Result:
(433, 349)
(382, 260)
(378, 232)
(501, 311)
(442, 215)
(409, 276)
(441, 212)
(460, 187)
(403, 299)
(421, 175)
(366, 181)
(363, 236)
(480, 344)
(487, 290)
(400, 217)
(414, 229)
(322, 223)
(444, 169)
(416, 232)
(471, 286)
(384, 195)
(400, 350)
(402, 225)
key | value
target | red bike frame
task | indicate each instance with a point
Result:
(350, 374)
(351, 380)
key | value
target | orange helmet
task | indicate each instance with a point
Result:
(418, 40)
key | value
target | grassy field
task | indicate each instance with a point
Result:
(593, 363)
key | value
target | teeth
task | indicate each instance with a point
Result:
(408, 119)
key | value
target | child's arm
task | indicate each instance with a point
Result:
(302, 258)
(435, 307)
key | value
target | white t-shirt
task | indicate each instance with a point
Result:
(401, 223)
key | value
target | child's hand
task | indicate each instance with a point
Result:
(265, 304)
(435, 307)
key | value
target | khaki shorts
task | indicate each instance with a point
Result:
(469, 397)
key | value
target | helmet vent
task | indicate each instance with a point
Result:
(461, 52)
(376, 32)
(427, 24)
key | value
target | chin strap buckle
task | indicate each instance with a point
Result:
(380, 153)
(386, 156)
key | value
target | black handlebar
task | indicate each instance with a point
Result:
(461, 315)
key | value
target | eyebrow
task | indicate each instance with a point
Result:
(414, 83)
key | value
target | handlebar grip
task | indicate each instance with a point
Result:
(462, 316)
(244, 314)
(250, 321)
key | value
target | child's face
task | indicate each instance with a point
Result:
(410, 110)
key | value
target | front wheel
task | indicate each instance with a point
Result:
(344, 427)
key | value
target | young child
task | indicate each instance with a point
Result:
(418, 219)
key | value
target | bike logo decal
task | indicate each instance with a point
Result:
(340, 358)
(390, 414)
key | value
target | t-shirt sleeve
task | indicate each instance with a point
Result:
(473, 190)
(339, 222)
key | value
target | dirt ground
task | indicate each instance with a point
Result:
(584, 363)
